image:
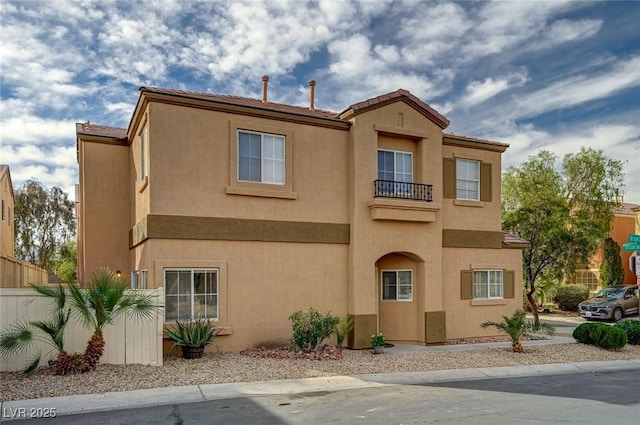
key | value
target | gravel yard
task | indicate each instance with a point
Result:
(234, 367)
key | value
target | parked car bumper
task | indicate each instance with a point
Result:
(601, 313)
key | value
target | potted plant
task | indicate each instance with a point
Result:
(192, 336)
(377, 341)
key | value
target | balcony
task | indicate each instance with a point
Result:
(402, 190)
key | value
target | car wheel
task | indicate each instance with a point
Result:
(617, 314)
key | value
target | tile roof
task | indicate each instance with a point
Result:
(89, 129)
(626, 208)
(473, 139)
(245, 101)
(399, 94)
(514, 241)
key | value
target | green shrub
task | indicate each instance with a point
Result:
(612, 338)
(585, 332)
(632, 329)
(569, 296)
(601, 335)
(310, 328)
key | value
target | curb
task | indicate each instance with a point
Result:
(91, 403)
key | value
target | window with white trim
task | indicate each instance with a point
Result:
(191, 293)
(395, 166)
(488, 284)
(261, 157)
(588, 278)
(143, 279)
(397, 285)
(467, 179)
(135, 276)
(143, 152)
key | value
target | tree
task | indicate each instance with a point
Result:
(611, 270)
(564, 214)
(68, 261)
(517, 326)
(43, 221)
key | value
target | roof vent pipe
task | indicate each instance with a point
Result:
(312, 89)
(265, 82)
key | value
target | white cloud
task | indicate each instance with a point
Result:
(480, 91)
(579, 89)
(36, 130)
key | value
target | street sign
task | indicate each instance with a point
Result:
(631, 246)
(634, 238)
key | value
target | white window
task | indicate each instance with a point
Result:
(395, 166)
(588, 278)
(134, 280)
(261, 157)
(143, 153)
(397, 285)
(488, 284)
(468, 179)
(191, 293)
(143, 279)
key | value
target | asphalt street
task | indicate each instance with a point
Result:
(599, 397)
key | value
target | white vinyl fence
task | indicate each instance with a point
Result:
(129, 340)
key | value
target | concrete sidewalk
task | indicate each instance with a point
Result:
(196, 393)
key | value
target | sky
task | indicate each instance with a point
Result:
(552, 75)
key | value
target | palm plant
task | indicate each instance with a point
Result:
(342, 329)
(517, 326)
(103, 300)
(23, 335)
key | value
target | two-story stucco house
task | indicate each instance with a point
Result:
(7, 201)
(245, 210)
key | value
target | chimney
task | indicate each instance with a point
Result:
(265, 81)
(312, 89)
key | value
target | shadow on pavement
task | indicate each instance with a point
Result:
(599, 386)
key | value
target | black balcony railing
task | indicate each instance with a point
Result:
(402, 190)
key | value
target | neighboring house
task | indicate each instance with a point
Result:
(7, 201)
(14, 273)
(622, 225)
(245, 211)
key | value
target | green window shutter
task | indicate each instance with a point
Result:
(449, 181)
(485, 182)
(509, 284)
(466, 285)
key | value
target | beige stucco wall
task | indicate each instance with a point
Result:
(465, 316)
(104, 208)
(7, 228)
(474, 215)
(373, 239)
(261, 283)
(190, 156)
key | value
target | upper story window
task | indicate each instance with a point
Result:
(261, 157)
(467, 179)
(3, 209)
(395, 166)
(488, 284)
(144, 136)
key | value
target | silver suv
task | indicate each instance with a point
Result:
(613, 302)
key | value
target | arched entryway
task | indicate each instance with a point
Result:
(400, 289)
